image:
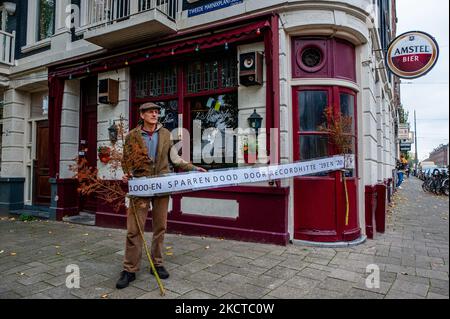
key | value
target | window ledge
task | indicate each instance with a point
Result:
(37, 45)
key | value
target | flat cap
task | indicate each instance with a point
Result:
(149, 106)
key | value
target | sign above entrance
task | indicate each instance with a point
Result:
(412, 54)
(197, 7)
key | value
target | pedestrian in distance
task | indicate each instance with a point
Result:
(401, 168)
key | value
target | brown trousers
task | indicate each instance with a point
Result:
(134, 243)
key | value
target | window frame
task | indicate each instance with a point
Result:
(182, 95)
(334, 93)
(38, 24)
(4, 21)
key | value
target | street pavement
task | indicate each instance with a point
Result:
(412, 258)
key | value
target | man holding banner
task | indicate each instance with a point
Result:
(146, 153)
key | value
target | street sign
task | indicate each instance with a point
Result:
(406, 147)
(403, 131)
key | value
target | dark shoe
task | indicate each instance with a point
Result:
(125, 279)
(162, 272)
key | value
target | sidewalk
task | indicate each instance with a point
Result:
(412, 257)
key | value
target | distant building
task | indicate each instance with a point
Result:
(440, 155)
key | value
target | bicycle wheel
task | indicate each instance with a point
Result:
(424, 186)
(445, 189)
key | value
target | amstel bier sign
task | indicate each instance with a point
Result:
(412, 54)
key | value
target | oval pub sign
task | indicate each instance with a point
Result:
(412, 54)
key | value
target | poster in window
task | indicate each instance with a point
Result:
(169, 114)
(216, 114)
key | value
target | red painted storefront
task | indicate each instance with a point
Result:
(263, 211)
(319, 201)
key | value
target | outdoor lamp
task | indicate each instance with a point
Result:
(255, 121)
(113, 132)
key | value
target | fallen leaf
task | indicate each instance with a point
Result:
(21, 273)
(49, 231)
(13, 254)
(169, 253)
(168, 247)
(105, 296)
(207, 247)
(2, 251)
(56, 247)
(12, 219)
(86, 234)
(58, 253)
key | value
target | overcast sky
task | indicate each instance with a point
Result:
(428, 95)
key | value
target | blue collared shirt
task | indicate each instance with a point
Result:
(151, 141)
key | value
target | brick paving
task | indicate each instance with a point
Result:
(412, 257)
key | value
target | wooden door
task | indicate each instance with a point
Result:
(88, 133)
(319, 201)
(41, 189)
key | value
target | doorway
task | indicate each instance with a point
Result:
(88, 134)
(41, 176)
(319, 200)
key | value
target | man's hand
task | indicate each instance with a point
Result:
(201, 169)
(125, 178)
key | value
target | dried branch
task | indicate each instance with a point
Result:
(339, 129)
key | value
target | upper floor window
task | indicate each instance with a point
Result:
(46, 19)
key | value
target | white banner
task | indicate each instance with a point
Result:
(186, 182)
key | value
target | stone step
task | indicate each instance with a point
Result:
(82, 219)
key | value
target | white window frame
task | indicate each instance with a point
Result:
(33, 26)
(4, 15)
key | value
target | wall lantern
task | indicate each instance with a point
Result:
(255, 121)
(113, 133)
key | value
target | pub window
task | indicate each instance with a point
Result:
(313, 143)
(215, 113)
(211, 75)
(154, 82)
(46, 19)
(229, 73)
(169, 114)
(312, 102)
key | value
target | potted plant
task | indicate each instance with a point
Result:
(104, 154)
(250, 149)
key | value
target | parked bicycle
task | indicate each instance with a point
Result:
(437, 182)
